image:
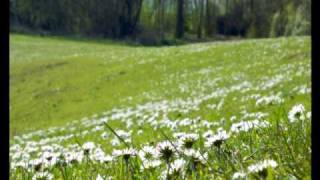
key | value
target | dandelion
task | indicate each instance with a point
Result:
(296, 113)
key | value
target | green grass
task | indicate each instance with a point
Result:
(54, 81)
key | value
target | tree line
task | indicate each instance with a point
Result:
(163, 19)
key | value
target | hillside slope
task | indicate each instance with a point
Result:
(53, 81)
(238, 102)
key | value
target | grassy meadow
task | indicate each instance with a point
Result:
(85, 109)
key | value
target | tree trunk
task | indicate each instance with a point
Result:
(208, 27)
(199, 33)
(180, 19)
(136, 18)
(161, 18)
(227, 6)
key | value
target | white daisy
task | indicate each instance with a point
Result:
(125, 153)
(217, 139)
(187, 140)
(296, 113)
(42, 176)
(88, 147)
(148, 153)
(239, 175)
(165, 150)
(261, 167)
(150, 164)
(245, 126)
(196, 156)
(176, 167)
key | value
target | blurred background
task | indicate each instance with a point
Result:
(162, 22)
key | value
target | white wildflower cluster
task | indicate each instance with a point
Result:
(216, 139)
(166, 150)
(269, 100)
(196, 156)
(42, 176)
(99, 155)
(187, 140)
(261, 166)
(125, 153)
(301, 90)
(208, 117)
(245, 126)
(177, 167)
(74, 156)
(297, 113)
(149, 155)
(88, 147)
(239, 175)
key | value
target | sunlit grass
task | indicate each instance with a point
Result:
(153, 92)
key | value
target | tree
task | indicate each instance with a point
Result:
(180, 19)
(199, 31)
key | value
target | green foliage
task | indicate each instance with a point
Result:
(298, 24)
(292, 20)
(119, 19)
(95, 17)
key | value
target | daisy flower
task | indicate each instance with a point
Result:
(217, 139)
(239, 175)
(150, 164)
(165, 150)
(42, 176)
(196, 156)
(74, 157)
(125, 153)
(296, 113)
(188, 140)
(261, 167)
(88, 147)
(177, 167)
(148, 153)
(248, 125)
